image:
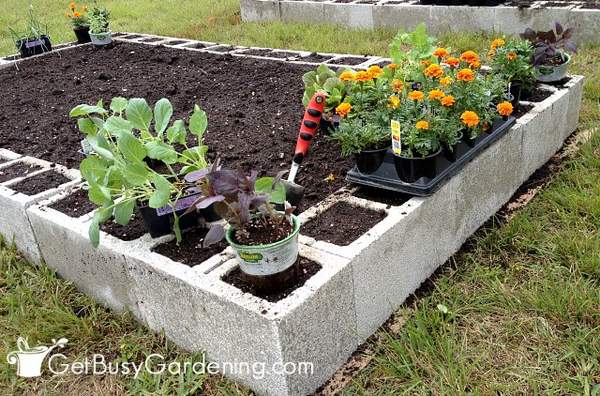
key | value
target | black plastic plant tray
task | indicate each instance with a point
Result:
(386, 178)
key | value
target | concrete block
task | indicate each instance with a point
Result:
(514, 20)
(296, 11)
(402, 17)
(359, 16)
(256, 11)
(7, 155)
(586, 24)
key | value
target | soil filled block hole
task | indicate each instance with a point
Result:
(305, 269)
(20, 169)
(75, 205)
(40, 183)
(342, 224)
(133, 230)
(190, 251)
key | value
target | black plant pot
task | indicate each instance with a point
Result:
(163, 225)
(369, 161)
(450, 152)
(518, 93)
(410, 170)
(37, 46)
(469, 141)
(83, 34)
(209, 215)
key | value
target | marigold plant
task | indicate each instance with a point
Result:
(343, 109)
(422, 125)
(434, 71)
(465, 75)
(470, 119)
(505, 109)
(77, 15)
(416, 95)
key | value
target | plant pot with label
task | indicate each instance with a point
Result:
(101, 39)
(160, 221)
(411, 169)
(33, 46)
(554, 70)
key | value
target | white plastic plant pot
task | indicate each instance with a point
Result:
(101, 38)
(265, 260)
(553, 73)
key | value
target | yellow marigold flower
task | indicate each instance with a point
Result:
(423, 125)
(469, 56)
(375, 71)
(436, 94)
(448, 101)
(416, 95)
(397, 85)
(441, 53)
(505, 109)
(434, 71)
(491, 53)
(343, 109)
(72, 5)
(76, 14)
(347, 75)
(362, 76)
(475, 65)
(446, 81)
(511, 56)
(470, 119)
(393, 102)
(498, 43)
(392, 66)
(465, 75)
(452, 62)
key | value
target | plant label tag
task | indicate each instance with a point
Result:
(34, 43)
(182, 203)
(86, 147)
(396, 138)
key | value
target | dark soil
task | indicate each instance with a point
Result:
(263, 231)
(270, 53)
(349, 60)
(382, 196)
(190, 251)
(537, 95)
(40, 182)
(306, 269)
(20, 169)
(342, 224)
(75, 205)
(521, 109)
(134, 230)
(254, 106)
(316, 58)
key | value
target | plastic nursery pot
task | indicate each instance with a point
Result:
(410, 170)
(35, 46)
(83, 34)
(160, 222)
(101, 39)
(269, 267)
(368, 161)
(553, 73)
(450, 151)
(517, 92)
(327, 124)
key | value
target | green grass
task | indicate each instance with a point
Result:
(523, 305)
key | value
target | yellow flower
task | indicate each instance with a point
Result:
(436, 94)
(72, 6)
(416, 95)
(425, 62)
(452, 62)
(505, 109)
(362, 76)
(491, 53)
(498, 43)
(475, 65)
(330, 178)
(465, 75)
(448, 101)
(392, 66)
(511, 56)
(347, 75)
(397, 85)
(434, 71)
(470, 119)
(446, 81)
(343, 109)
(375, 71)
(469, 57)
(393, 102)
(423, 125)
(441, 53)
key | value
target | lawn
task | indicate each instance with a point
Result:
(516, 313)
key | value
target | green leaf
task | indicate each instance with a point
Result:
(101, 215)
(161, 151)
(177, 133)
(197, 155)
(100, 146)
(265, 184)
(162, 194)
(87, 126)
(139, 114)
(198, 123)
(123, 211)
(99, 195)
(117, 126)
(309, 78)
(331, 83)
(84, 109)
(132, 148)
(118, 104)
(135, 174)
(163, 110)
(93, 169)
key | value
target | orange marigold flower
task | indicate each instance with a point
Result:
(434, 71)
(441, 53)
(425, 62)
(392, 66)
(397, 85)
(76, 14)
(491, 53)
(343, 109)
(436, 94)
(465, 75)
(475, 65)
(452, 62)
(416, 95)
(446, 81)
(448, 101)
(469, 56)
(375, 71)
(498, 43)
(505, 109)
(363, 76)
(423, 125)
(347, 75)
(470, 119)
(393, 102)
(72, 5)
(511, 56)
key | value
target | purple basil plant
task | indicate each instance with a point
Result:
(548, 45)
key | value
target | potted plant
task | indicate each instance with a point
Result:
(265, 241)
(99, 19)
(510, 60)
(551, 56)
(34, 40)
(80, 23)
(125, 140)
(326, 80)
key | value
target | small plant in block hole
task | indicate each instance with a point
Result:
(77, 15)
(134, 161)
(33, 39)
(265, 240)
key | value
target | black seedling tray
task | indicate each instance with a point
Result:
(386, 178)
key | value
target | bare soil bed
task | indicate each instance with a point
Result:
(18, 170)
(39, 183)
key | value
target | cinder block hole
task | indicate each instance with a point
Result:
(19, 169)
(190, 251)
(196, 45)
(75, 204)
(224, 48)
(174, 42)
(151, 40)
(131, 36)
(348, 60)
(39, 183)
(390, 198)
(315, 58)
(298, 274)
(342, 224)
(270, 53)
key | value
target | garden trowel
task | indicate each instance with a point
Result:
(308, 130)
